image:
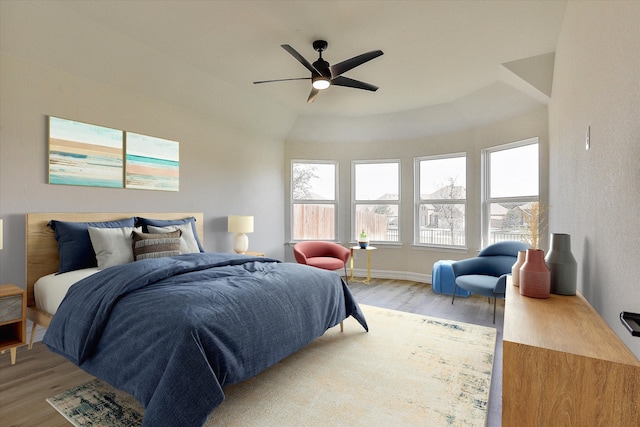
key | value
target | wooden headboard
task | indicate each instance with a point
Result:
(42, 248)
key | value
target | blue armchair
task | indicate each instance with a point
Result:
(487, 273)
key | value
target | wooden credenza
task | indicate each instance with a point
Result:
(564, 366)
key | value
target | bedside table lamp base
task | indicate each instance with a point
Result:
(240, 243)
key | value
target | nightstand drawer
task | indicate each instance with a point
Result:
(10, 308)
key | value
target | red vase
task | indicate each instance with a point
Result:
(535, 276)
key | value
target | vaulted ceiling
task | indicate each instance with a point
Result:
(482, 59)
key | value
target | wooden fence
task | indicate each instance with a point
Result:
(376, 226)
(317, 222)
(313, 222)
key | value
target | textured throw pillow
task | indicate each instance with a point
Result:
(112, 245)
(146, 222)
(188, 244)
(74, 243)
(146, 245)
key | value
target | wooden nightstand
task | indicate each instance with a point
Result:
(254, 253)
(13, 319)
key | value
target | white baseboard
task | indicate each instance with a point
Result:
(397, 275)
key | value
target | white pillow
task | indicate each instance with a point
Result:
(188, 244)
(112, 245)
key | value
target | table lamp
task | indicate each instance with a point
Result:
(240, 225)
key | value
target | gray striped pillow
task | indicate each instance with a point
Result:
(147, 245)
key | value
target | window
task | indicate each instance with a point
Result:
(313, 200)
(511, 177)
(376, 190)
(441, 199)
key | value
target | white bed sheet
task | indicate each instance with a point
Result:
(49, 290)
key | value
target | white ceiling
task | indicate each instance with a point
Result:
(196, 53)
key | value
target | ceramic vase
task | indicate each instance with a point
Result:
(515, 270)
(563, 266)
(535, 277)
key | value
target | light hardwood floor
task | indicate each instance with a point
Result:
(38, 373)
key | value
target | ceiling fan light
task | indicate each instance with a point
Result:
(321, 82)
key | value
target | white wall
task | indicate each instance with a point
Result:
(224, 170)
(595, 194)
(407, 261)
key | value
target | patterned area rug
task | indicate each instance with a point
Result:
(98, 404)
(409, 370)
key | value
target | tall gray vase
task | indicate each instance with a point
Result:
(563, 266)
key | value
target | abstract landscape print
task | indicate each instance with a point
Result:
(152, 163)
(84, 154)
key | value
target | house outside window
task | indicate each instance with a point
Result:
(511, 191)
(376, 200)
(314, 201)
(441, 200)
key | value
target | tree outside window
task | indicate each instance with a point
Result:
(314, 201)
(441, 200)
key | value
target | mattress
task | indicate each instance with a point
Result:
(49, 290)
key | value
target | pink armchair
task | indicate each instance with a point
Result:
(320, 254)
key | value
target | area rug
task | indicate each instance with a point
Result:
(409, 370)
(98, 404)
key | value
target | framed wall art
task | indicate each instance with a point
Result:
(84, 154)
(152, 163)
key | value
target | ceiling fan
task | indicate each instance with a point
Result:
(324, 75)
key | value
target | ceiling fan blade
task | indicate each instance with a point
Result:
(344, 66)
(312, 95)
(281, 80)
(347, 82)
(300, 58)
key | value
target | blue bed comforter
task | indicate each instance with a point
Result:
(173, 332)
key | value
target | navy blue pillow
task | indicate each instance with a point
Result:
(74, 243)
(144, 222)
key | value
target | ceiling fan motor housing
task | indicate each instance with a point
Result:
(323, 67)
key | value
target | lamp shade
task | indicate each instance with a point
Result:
(240, 224)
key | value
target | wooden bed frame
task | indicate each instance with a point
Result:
(42, 249)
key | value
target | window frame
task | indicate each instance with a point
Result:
(486, 200)
(418, 200)
(334, 202)
(355, 202)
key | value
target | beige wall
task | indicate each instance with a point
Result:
(224, 170)
(405, 260)
(595, 194)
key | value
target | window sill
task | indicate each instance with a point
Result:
(293, 242)
(386, 245)
(448, 249)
